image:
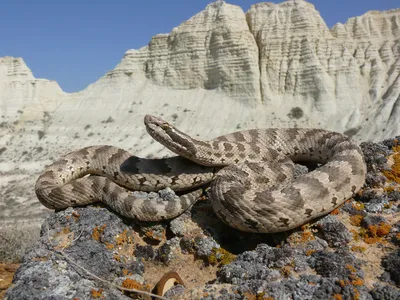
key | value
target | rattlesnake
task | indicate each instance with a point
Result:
(253, 182)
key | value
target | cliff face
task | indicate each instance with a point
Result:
(14, 69)
(278, 65)
(212, 50)
(285, 57)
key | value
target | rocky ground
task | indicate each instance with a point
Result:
(352, 253)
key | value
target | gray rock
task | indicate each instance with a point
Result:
(47, 271)
(385, 292)
(334, 231)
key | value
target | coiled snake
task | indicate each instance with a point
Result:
(253, 182)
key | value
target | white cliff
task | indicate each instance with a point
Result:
(223, 70)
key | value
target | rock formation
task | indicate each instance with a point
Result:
(220, 71)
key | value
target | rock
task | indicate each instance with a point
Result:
(334, 232)
(69, 250)
(212, 50)
(276, 65)
(392, 266)
(14, 69)
(385, 292)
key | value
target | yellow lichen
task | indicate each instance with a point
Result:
(358, 206)
(358, 249)
(220, 256)
(356, 220)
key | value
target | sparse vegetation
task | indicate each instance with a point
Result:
(40, 134)
(109, 120)
(16, 238)
(296, 113)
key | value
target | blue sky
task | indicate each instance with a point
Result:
(76, 42)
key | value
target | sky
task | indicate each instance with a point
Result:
(76, 42)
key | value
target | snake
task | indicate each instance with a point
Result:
(253, 185)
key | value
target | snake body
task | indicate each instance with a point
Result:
(253, 182)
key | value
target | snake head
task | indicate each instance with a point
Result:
(169, 136)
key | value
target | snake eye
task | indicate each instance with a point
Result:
(165, 126)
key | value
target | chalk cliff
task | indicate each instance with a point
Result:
(220, 71)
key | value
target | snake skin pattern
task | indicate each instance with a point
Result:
(254, 186)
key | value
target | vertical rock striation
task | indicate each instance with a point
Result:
(212, 50)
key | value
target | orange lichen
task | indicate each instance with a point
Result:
(397, 237)
(337, 297)
(109, 246)
(76, 215)
(355, 220)
(285, 271)
(394, 173)
(310, 251)
(307, 236)
(335, 211)
(124, 238)
(379, 230)
(133, 284)
(300, 237)
(372, 240)
(126, 272)
(357, 282)
(389, 189)
(343, 283)
(305, 227)
(351, 268)
(259, 296)
(97, 232)
(97, 293)
(356, 294)
(373, 234)
(117, 257)
(156, 235)
(66, 230)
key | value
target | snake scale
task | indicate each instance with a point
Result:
(252, 173)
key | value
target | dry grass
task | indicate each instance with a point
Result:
(16, 238)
